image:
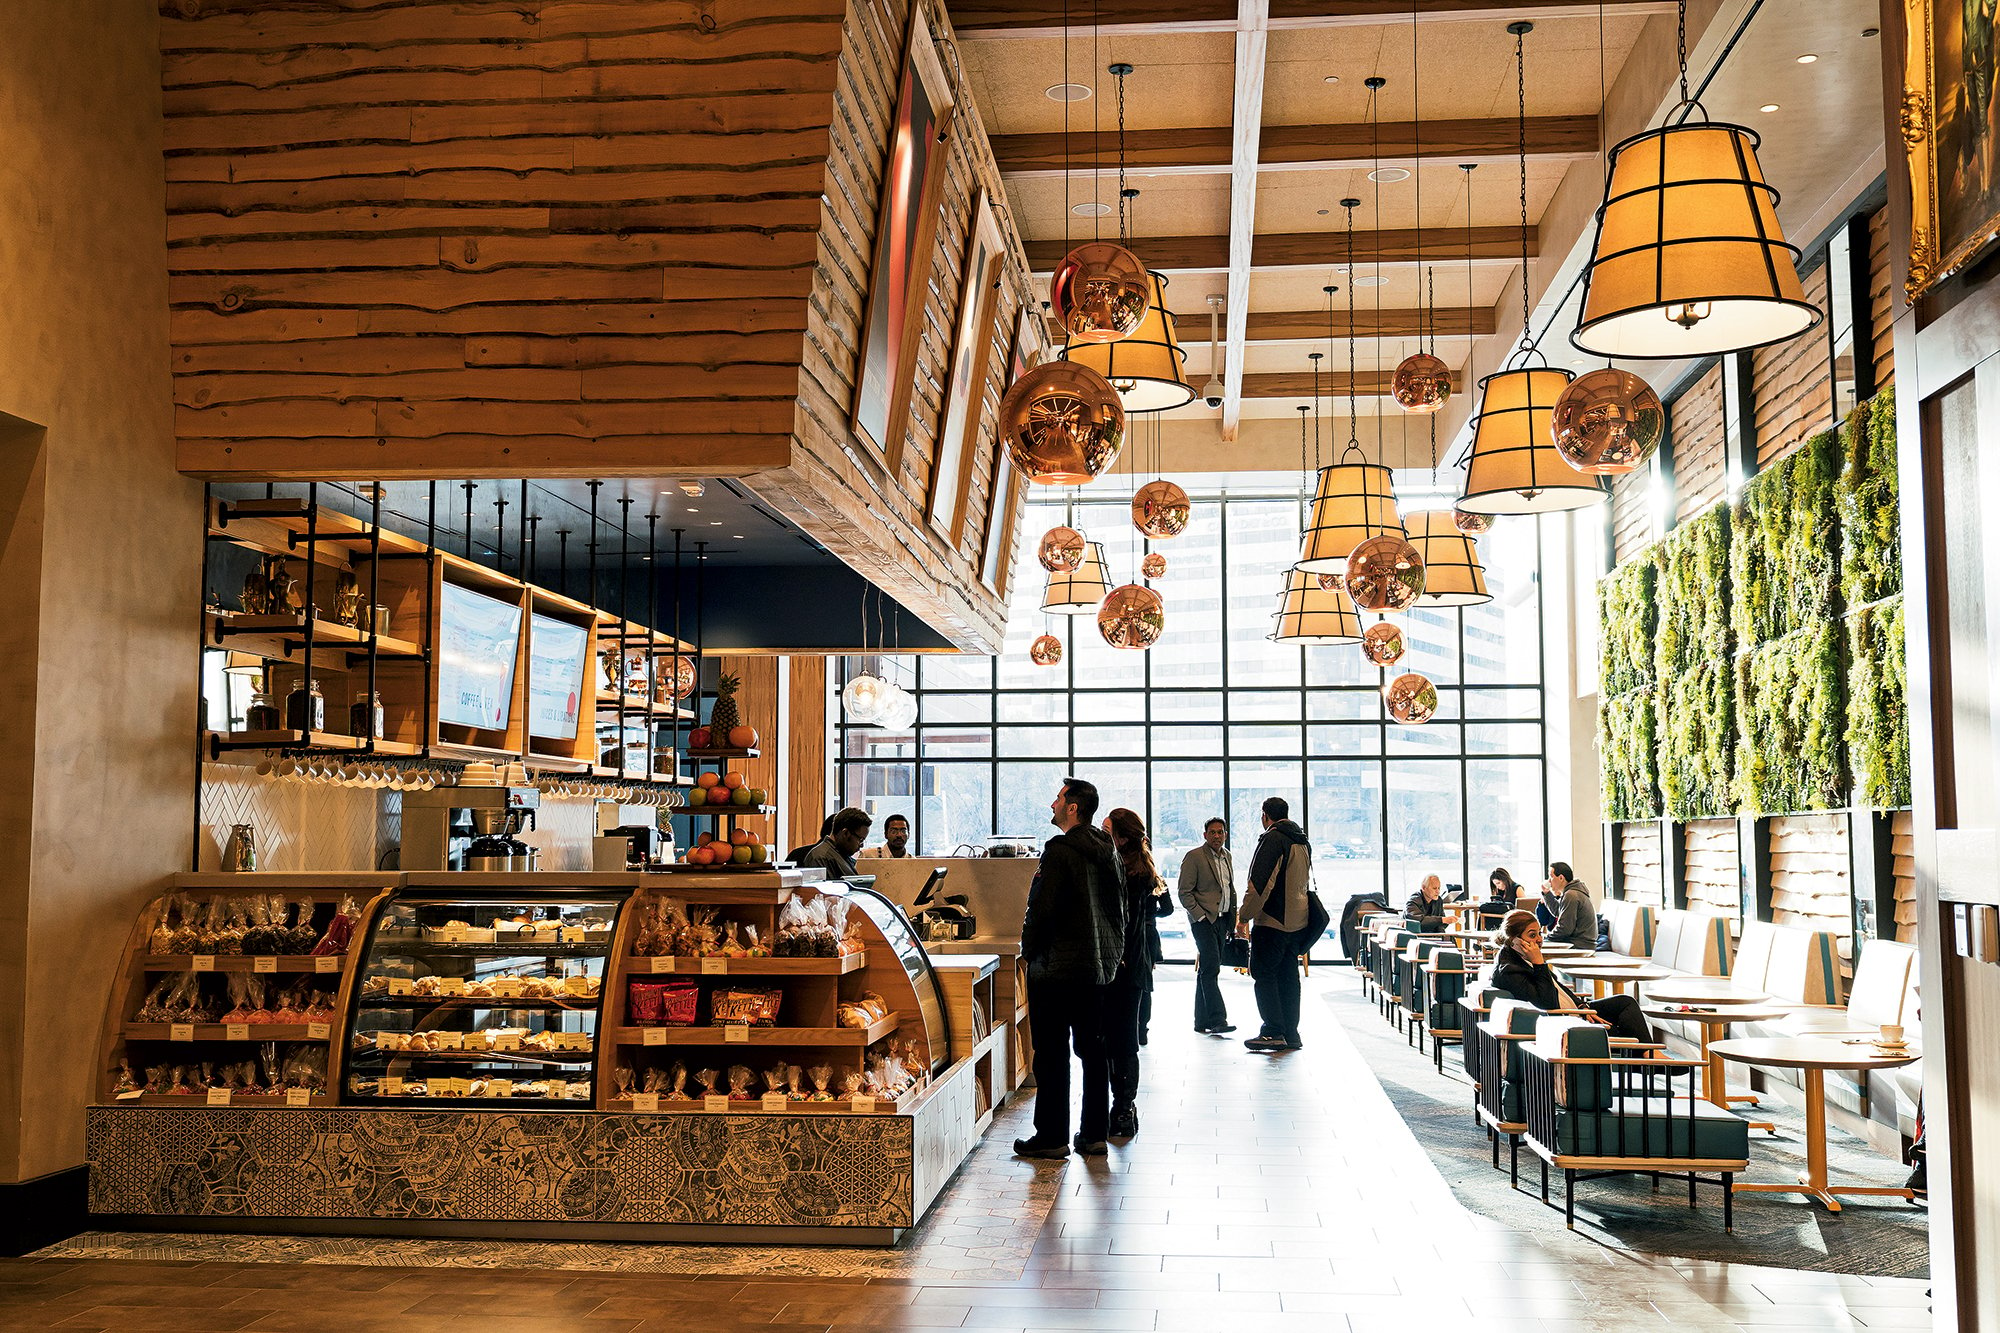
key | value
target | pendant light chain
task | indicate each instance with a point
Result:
(1681, 45)
(1124, 229)
(1521, 31)
(1096, 126)
(1375, 85)
(1068, 143)
(1353, 428)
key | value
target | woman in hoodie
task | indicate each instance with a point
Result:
(1128, 996)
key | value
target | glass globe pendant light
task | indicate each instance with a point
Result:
(866, 694)
(1608, 422)
(1689, 259)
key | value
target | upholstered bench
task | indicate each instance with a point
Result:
(1631, 926)
(1590, 1113)
(1780, 965)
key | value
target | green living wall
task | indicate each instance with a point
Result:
(1626, 748)
(1776, 671)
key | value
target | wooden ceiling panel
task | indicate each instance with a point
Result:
(1166, 206)
(1183, 79)
(1293, 200)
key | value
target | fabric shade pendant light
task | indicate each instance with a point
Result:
(1689, 259)
(1309, 614)
(1513, 465)
(1353, 499)
(1147, 367)
(1453, 575)
(1078, 592)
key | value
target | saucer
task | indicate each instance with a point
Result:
(1891, 1048)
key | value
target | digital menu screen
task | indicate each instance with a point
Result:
(478, 640)
(557, 652)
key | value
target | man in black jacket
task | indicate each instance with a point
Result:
(1274, 910)
(1426, 905)
(1072, 940)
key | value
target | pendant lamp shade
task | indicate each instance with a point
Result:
(1689, 258)
(1453, 575)
(1078, 592)
(1309, 614)
(1515, 467)
(1351, 503)
(1147, 366)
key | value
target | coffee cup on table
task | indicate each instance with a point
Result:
(1892, 1034)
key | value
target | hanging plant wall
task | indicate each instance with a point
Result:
(1627, 614)
(1696, 726)
(1783, 546)
(1871, 549)
(1626, 756)
(1791, 725)
(1878, 718)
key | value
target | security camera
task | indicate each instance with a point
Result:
(1212, 392)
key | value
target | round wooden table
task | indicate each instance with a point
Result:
(1691, 992)
(1714, 1022)
(1617, 976)
(1813, 1056)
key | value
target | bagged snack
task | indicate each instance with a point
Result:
(852, 938)
(303, 934)
(739, 1083)
(161, 940)
(304, 1066)
(850, 1081)
(239, 999)
(621, 1081)
(646, 939)
(677, 1076)
(662, 1002)
(256, 936)
(752, 946)
(123, 1081)
(339, 931)
(701, 939)
(754, 1005)
(153, 1009)
(822, 1076)
(791, 930)
(774, 1077)
(795, 1083)
(159, 1078)
(704, 1082)
(186, 936)
(229, 935)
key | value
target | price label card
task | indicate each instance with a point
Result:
(506, 1041)
(654, 1037)
(392, 1087)
(203, 962)
(506, 988)
(712, 1102)
(736, 1032)
(298, 1097)
(663, 963)
(180, 1032)
(459, 1087)
(861, 1104)
(558, 1089)
(326, 962)
(447, 1041)
(572, 934)
(714, 967)
(218, 1096)
(318, 1031)
(774, 1101)
(236, 1032)
(264, 962)
(645, 1101)
(451, 985)
(401, 986)
(499, 1087)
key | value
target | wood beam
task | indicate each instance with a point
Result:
(1315, 249)
(1308, 325)
(1208, 150)
(1299, 384)
(1246, 118)
(975, 19)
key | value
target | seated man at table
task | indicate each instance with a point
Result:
(1522, 972)
(1426, 905)
(1576, 914)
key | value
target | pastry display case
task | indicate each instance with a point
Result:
(480, 995)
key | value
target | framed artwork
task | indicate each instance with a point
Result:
(971, 356)
(1025, 351)
(905, 230)
(1951, 137)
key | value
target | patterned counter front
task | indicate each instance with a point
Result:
(850, 1177)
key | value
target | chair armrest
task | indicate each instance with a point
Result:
(1647, 1061)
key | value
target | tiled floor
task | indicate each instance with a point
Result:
(1262, 1194)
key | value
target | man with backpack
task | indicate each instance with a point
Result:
(1275, 916)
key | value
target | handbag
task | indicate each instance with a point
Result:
(1317, 918)
(1236, 953)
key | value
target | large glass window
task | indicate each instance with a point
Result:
(1217, 717)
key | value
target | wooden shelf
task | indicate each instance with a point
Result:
(243, 962)
(564, 1058)
(321, 740)
(258, 1032)
(735, 811)
(712, 1035)
(332, 525)
(755, 1106)
(488, 1002)
(640, 965)
(243, 1099)
(242, 633)
(723, 754)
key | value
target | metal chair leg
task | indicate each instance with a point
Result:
(1729, 1201)
(1569, 1199)
(1545, 1179)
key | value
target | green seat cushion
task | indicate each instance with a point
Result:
(1622, 1131)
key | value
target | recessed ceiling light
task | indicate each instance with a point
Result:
(1067, 92)
(737, 535)
(715, 522)
(1090, 208)
(1332, 78)
(1808, 58)
(1388, 175)
(1768, 107)
(1372, 280)
(1324, 211)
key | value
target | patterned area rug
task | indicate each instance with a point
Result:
(1874, 1237)
(982, 1228)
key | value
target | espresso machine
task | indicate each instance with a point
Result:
(439, 825)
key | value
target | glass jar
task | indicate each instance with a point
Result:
(305, 707)
(262, 715)
(364, 718)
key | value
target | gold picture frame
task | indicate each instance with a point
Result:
(1951, 141)
(971, 359)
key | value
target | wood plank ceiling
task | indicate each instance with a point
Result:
(1247, 121)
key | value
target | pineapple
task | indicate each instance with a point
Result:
(723, 718)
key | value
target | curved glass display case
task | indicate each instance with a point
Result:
(916, 963)
(483, 998)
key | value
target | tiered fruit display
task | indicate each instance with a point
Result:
(736, 847)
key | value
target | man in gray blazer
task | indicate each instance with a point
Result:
(1208, 892)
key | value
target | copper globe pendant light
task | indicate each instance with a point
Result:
(1132, 616)
(1062, 424)
(1513, 465)
(1382, 643)
(1385, 574)
(1422, 382)
(1153, 565)
(1046, 651)
(1100, 291)
(1161, 509)
(1689, 259)
(1608, 422)
(1411, 699)
(1472, 525)
(1061, 549)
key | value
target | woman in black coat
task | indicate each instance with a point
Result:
(1522, 972)
(1128, 999)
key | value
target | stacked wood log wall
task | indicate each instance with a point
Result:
(1699, 446)
(445, 240)
(1883, 301)
(1640, 870)
(1792, 384)
(1712, 867)
(1902, 850)
(1812, 882)
(1631, 514)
